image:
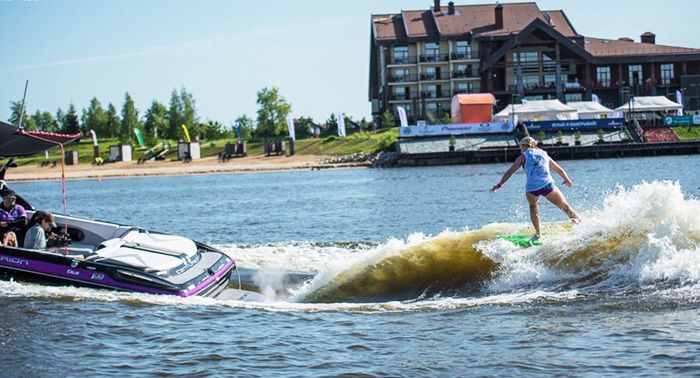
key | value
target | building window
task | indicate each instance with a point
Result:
(551, 80)
(432, 107)
(529, 61)
(548, 65)
(603, 75)
(667, 74)
(464, 50)
(401, 54)
(401, 76)
(400, 93)
(529, 82)
(431, 91)
(571, 97)
(430, 73)
(432, 52)
(635, 71)
(465, 88)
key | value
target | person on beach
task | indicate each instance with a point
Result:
(12, 217)
(537, 163)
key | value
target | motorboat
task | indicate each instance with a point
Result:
(110, 255)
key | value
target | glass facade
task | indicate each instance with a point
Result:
(400, 55)
(603, 76)
(667, 74)
(635, 74)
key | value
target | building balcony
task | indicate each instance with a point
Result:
(399, 60)
(400, 97)
(434, 94)
(462, 74)
(434, 58)
(403, 79)
(463, 56)
(434, 76)
(548, 87)
(463, 91)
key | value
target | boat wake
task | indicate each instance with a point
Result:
(640, 240)
(645, 238)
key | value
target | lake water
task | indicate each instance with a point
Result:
(410, 279)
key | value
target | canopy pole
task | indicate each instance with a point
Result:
(21, 111)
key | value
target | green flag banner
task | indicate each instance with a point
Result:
(139, 137)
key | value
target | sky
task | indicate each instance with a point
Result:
(223, 52)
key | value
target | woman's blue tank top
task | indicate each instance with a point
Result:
(537, 169)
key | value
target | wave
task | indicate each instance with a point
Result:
(647, 236)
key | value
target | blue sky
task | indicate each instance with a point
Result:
(223, 52)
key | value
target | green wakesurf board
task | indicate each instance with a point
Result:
(549, 234)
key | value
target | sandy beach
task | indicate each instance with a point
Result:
(258, 163)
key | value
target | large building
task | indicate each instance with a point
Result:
(420, 59)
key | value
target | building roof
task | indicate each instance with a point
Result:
(477, 20)
(608, 47)
(388, 27)
(420, 24)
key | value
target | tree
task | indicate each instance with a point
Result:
(70, 124)
(247, 126)
(212, 130)
(94, 118)
(44, 121)
(182, 111)
(388, 119)
(446, 118)
(130, 118)
(304, 127)
(189, 112)
(113, 122)
(156, 120)
(332, 122)
(16, 108)
(273, 110)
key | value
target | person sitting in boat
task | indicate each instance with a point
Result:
(36, 237)
(12, 217)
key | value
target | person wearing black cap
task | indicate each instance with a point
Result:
(36, 235)
(12, 217)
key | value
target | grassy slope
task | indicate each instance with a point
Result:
(365, 142)
(684, 134)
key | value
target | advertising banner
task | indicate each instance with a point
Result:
(682, 120)
(457, 129)
(605, 123)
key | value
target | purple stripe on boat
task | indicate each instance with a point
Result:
(209, 280)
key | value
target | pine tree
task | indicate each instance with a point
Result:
(70, 125)
(130, 118)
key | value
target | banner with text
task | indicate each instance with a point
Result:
(682, 120)
(604, 123)
(456, 129)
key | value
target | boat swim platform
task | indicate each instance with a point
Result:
(508, 153)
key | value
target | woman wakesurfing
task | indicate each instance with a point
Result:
(537, 163)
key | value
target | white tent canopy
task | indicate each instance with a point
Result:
(504, 115)
(649, 104)
(545, 110)
(593, 110)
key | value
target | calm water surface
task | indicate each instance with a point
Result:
(410, 278)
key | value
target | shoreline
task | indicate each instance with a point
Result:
(208, 165)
